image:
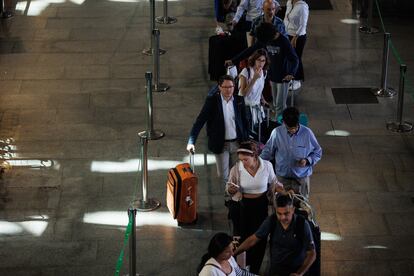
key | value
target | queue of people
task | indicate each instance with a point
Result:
(250, 181)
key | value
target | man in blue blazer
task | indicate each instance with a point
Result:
(227, 125)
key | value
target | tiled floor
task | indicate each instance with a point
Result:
(72, 101)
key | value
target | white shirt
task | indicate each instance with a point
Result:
(296, 18)
(257, 184)
(229, 119)
(210, 270)
(255, 94)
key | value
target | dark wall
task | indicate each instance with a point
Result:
(388, 7)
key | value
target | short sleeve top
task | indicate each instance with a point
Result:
(259, 183)
(253, 98)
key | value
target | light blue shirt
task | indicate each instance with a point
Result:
(252, 7)
(288, 149)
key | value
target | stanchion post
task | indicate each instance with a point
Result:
(157, 87)
(132, 212)
(368, 29)
(147, 204)
(400, 125)
(150, 133)
(150, 51)
(166, 19)
(385, 91)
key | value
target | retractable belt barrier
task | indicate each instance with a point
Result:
(399, 125)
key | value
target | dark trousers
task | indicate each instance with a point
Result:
(253, 212)
(300, 45)
(282, 271)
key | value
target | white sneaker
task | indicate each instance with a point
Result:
(296, 84)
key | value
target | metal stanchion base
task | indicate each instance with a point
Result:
(368, 30)
(146, 206)
(397, 127)
(151, 135)
(384, 92)
(148, 51)
(162, 87)
(166, 20)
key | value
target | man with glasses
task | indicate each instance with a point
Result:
(292, 248)
(295, 151)
(225, 115)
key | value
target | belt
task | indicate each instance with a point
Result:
(231, 140)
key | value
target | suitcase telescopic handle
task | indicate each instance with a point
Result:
(191, 158)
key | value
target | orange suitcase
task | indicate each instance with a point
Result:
(182, 193)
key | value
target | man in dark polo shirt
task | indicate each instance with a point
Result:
(292, 250)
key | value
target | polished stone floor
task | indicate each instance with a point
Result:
(72, 100)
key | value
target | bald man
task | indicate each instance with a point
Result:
(270, 9)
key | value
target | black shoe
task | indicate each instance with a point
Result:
(7, 14)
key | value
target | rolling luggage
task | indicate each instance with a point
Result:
(216, 56)
(222, 48)
(182, 192)
(303, 118)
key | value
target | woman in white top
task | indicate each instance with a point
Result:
(296, 21)
(251, 178)
(219, 261)
(251, 83)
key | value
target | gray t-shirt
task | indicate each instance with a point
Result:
(287, 247)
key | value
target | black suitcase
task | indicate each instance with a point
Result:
(216, 56)
(222, 48)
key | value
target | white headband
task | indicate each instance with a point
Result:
(245, 150)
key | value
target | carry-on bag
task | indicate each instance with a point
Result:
(182, 192)
(303, 118)
(222, 48)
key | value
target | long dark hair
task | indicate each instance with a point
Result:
(217, 245)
